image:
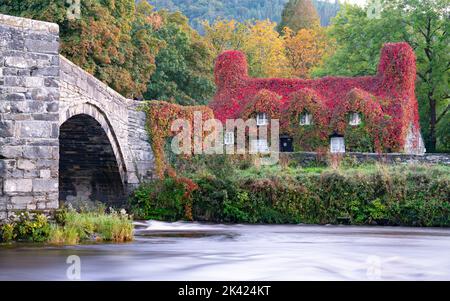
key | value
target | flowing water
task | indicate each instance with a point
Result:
(191, 251)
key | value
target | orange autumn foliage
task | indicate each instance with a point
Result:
(305, 50)
(160, 116)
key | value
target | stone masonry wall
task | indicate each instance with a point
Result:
(311, 158)
(29, 114)
(39, 91)
(123, 123)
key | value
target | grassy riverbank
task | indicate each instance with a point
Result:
(68, 227)
(409, 195)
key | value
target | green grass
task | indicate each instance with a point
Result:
(69, 228)
(435, 171)
(399, 194)
(98, 226)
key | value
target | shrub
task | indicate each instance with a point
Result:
(7, 232)
(26, 227)
(70, 227)
(367, 194)
(115, 227)
(160, 200)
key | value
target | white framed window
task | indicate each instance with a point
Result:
(259, 146)
(262, 119)
(355, 119)
(305, 119)
(337, 145)
(229, 138)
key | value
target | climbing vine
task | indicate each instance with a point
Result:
(160, 117)
(368, 135)
(313, 137)
(264, 101)
(386, 101)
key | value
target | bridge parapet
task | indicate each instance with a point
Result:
(29, 114)
(124, 124)
(39, 91)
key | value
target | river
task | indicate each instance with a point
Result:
(192, 251)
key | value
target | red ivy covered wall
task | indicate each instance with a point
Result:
(386, 100)
(160, 118)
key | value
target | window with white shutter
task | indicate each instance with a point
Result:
(259, 146)
(355, 119)
(262, 119)
(337, 145)
(305, 119)
(229, 138)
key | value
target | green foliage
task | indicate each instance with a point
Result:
(413, 195)
(159, 199)
(184, 64)
(70, 227)
(26, 227)
(113, 40)
(241, 10)
(299, 14)
(359, 139)
(424, 25)
(7, 231)
(74, 227)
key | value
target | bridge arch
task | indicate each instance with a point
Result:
(62, 101)
(91, 160)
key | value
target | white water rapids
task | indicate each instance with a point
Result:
(194, 251)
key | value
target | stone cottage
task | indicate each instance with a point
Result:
(362, 114)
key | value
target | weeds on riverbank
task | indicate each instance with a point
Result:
(69, 227)
(409, 195)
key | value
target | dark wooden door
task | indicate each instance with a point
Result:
(286, 145)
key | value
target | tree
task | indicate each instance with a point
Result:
(224, 35)
(113, 40)
(305, 50)
(424, 25)
(299, 14)
(262, 44)
(265, 50)
(240, 10)
(358, 43)
(184, 64)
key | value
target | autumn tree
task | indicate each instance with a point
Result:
(265, 50)
(424, 25)
(113, 40)
(262, 44)
(305, 50)
(299, 14)
(225, 35)
(184, 73)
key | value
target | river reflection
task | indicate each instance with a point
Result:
(191, 251)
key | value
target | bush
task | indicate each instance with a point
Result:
(369, 194)
(70, 227)
(160, 199)
(98, 226)
(26, 227)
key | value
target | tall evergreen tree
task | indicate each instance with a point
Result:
(299, 14)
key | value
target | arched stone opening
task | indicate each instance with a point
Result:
(88, 168)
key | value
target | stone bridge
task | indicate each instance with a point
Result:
(64, 135)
